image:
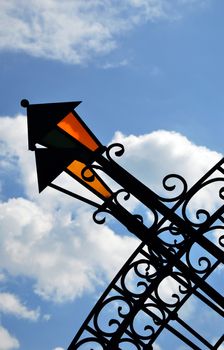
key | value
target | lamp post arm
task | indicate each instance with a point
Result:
(152, 201)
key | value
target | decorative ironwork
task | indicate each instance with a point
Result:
(178, 249)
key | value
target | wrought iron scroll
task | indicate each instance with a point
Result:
(182, 248)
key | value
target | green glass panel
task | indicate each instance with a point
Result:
(56, 139)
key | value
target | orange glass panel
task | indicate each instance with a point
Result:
(76, 168)
(74, 128)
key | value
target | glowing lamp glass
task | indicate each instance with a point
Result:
(96, 185)
(71, 125)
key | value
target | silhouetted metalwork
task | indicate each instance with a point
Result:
(180, 247)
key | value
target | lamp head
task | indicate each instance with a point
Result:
(62, 142)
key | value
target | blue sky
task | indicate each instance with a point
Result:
(150, 74)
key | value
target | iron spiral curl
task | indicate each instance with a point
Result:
(118, 153)
(90, 343)
(172, 298)
(199, 265)
(172, 187)
(202, 215)
(172, 237)
(87, 172)
(98, 212)
(138, 277)
(116, 305)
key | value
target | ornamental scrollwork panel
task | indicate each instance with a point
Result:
(152, 287)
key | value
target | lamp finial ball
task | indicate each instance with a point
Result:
(24, 103)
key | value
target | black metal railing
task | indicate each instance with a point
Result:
(138, 306)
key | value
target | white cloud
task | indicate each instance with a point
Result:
(10, 304)
(54, 235)
(58, 348)
(76, 254)
(112, 65)
(7, 341)
(176, 153)
(152, 156)
(14, 150)
(77, 31)
(46, 317)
